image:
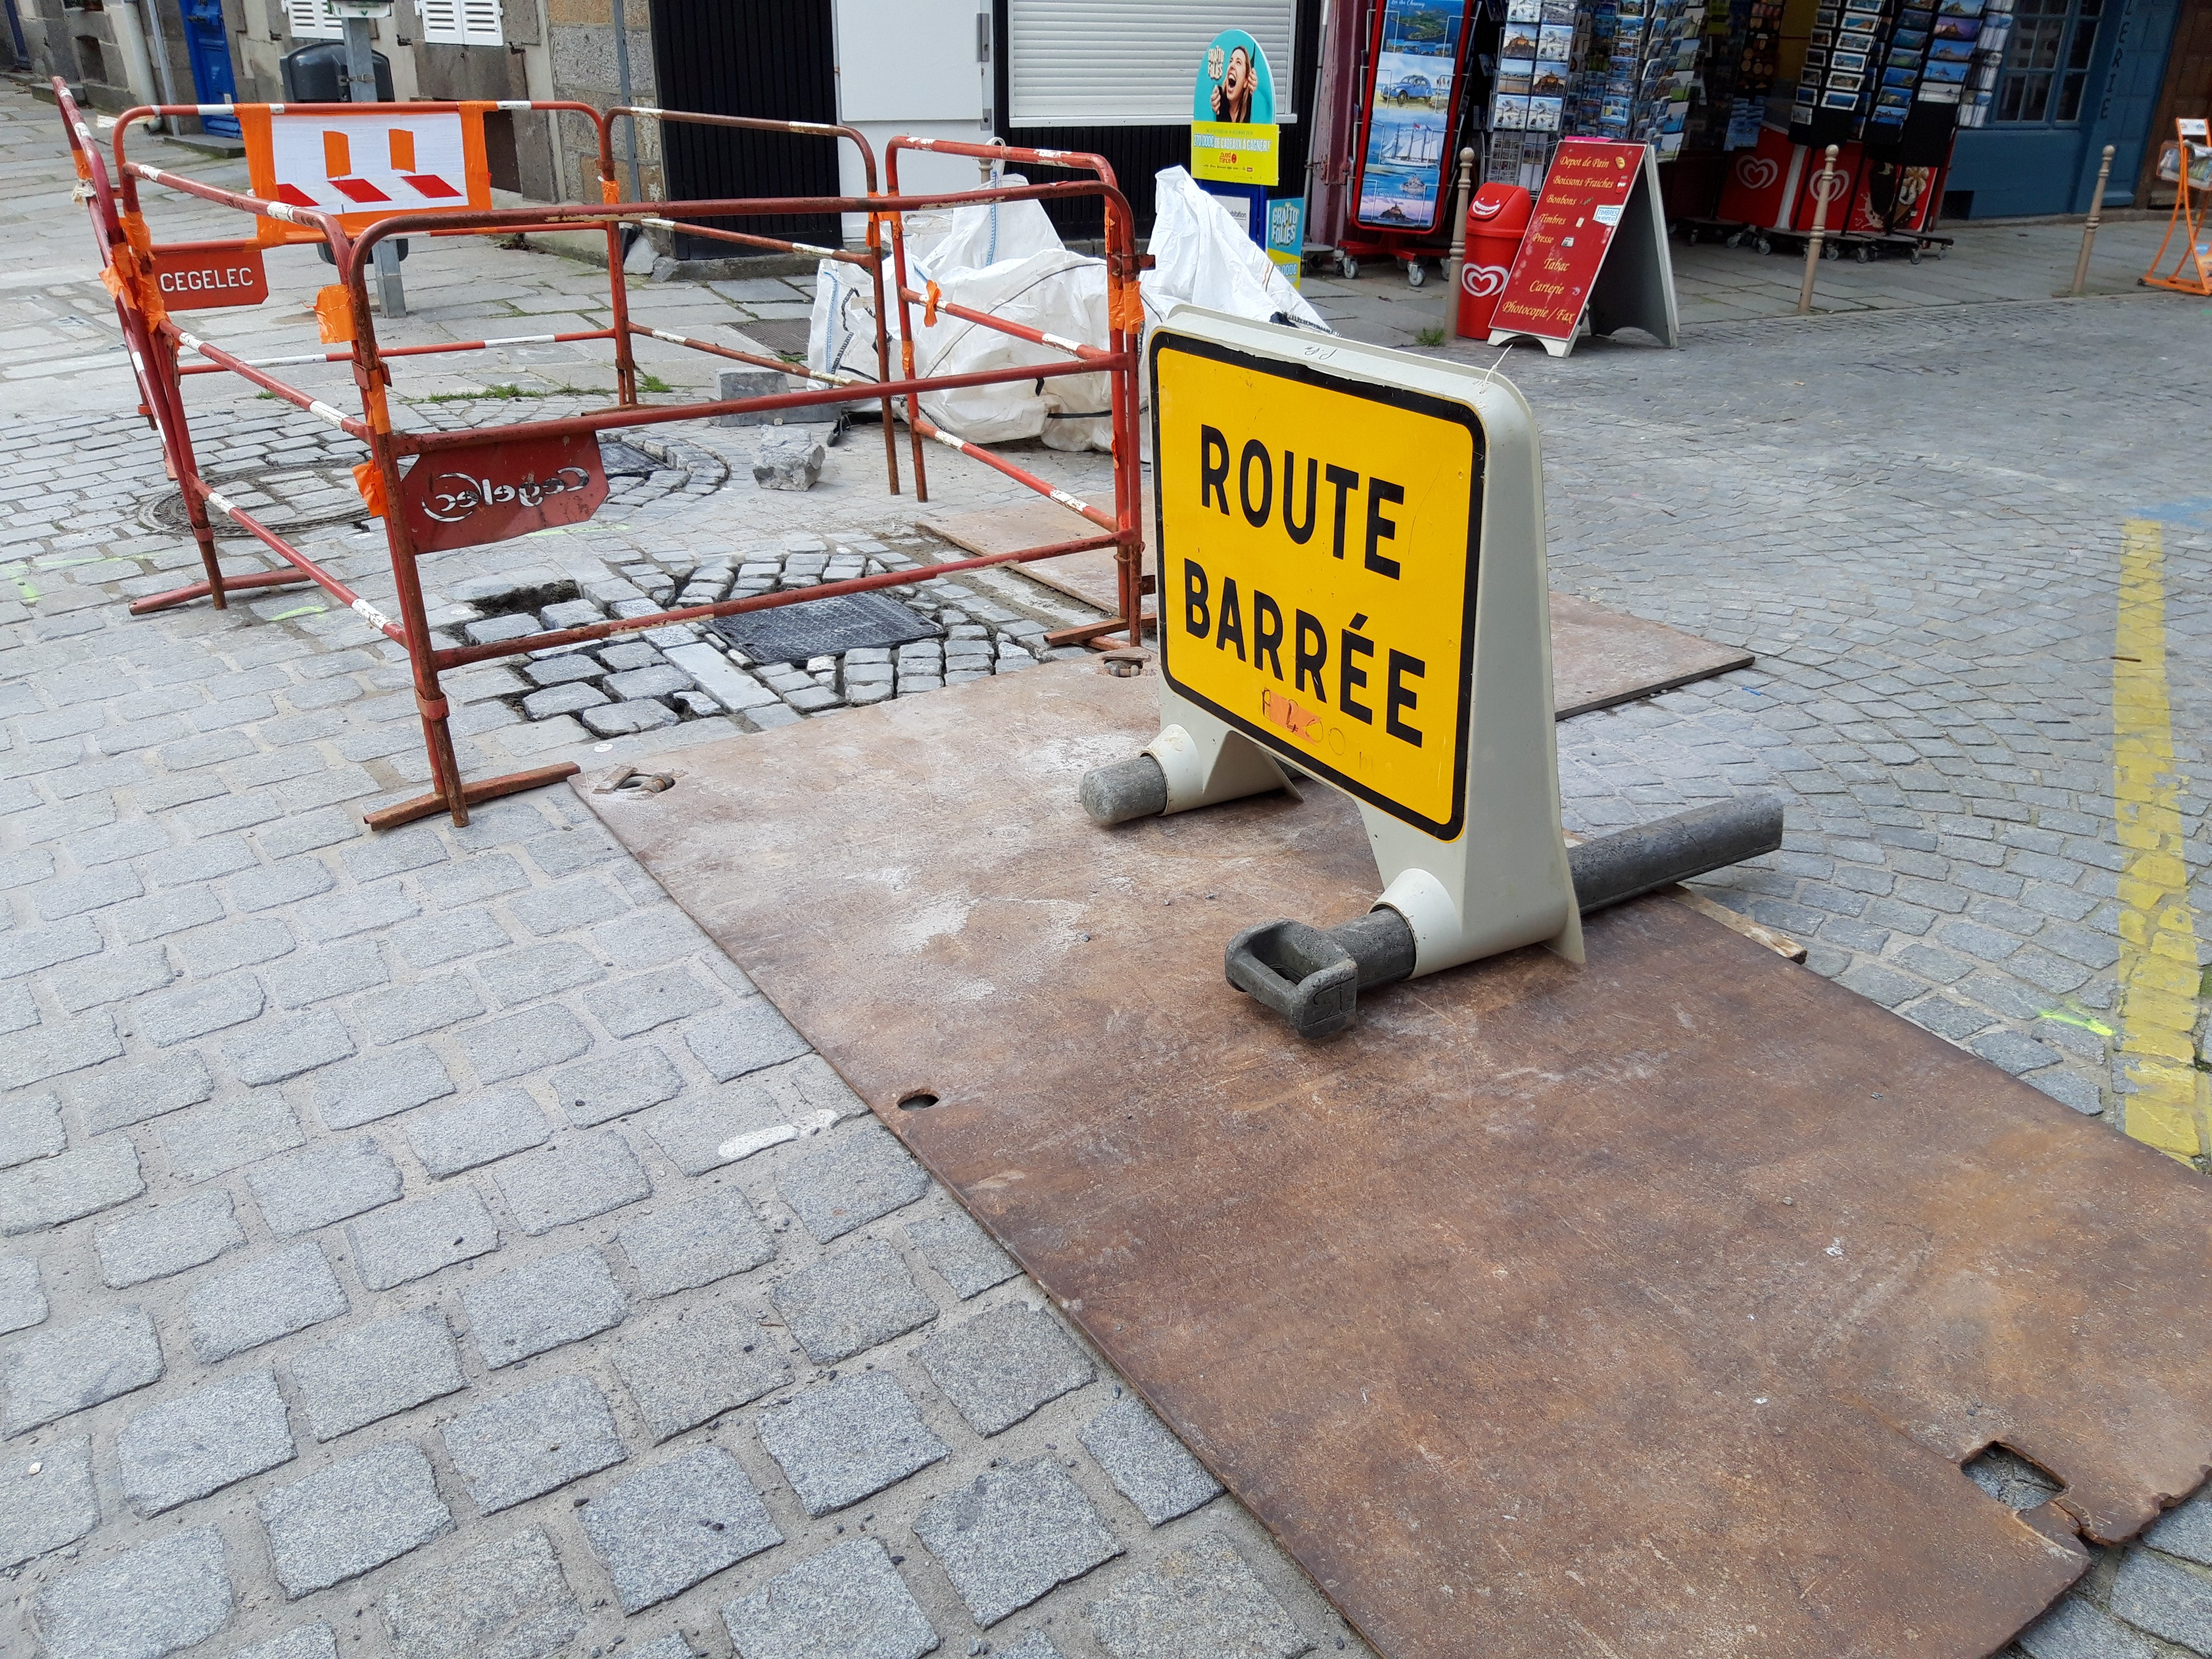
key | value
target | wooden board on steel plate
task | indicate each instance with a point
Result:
(1644, 1309)
(1599, 657)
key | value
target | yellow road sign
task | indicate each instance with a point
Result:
(1318, 542)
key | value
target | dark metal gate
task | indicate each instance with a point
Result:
(777, 61)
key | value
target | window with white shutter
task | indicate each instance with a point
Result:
(1132, 63)
(461, 23)
(312, 20)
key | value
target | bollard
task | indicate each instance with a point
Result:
(1456, 261)
(2089, 230)
(1821, 186)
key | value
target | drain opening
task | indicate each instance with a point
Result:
(917, 1102)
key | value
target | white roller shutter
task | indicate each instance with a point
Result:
(312, 20)
(460, 22)
(1132, 63)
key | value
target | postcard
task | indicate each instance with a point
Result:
(1519, 42)
(1848, 60)
(1845, 83)
(1551, 78)
(1558, 11)
(1819, 37)
(1825, 17)
(1932, 92)
(1815, 58)
(1544, 114)
(1960, 7)
(1555, 40)
(1953, 72)
(1896, 76)
(1951, 51)
(1524, 11)
(1514, 75)
(1509, 114)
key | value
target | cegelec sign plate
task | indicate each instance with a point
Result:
(200, 276)
(1319, 538)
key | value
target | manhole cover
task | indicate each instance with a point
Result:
(822, 627)
(289, 500)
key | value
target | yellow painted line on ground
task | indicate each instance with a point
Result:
(2159, 976)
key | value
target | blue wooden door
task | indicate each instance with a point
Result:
(209, 51)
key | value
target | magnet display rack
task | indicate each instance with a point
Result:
(1416, 89)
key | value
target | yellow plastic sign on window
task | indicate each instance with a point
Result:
(1318, 547)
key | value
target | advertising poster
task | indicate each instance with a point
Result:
(1233, 135)
(1405, 171)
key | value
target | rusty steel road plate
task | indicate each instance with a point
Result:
(1646, 1309)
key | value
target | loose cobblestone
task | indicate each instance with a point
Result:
(281, 1293)
(351, 1517)
(508, 1600)
(851, 1301)
(1001, 1365)
(65, 1369)
(222, 1433)
(528, 1310)
(1014, 1536)
(691, 1369)
(376, 1371)
(666, 1529)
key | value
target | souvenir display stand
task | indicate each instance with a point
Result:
(1413, 104)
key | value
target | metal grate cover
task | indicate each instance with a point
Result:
(824, 627)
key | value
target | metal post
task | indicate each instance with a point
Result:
(1821, 188)
(622, 91)
(2089, 230)
(361, 88)
(1456, 260)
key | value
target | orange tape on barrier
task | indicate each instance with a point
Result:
(1125, 306)
(334, 315)
(370, 482)
(134, 229)
(929, 309)
(610, 192)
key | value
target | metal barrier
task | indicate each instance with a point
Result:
(526, 475)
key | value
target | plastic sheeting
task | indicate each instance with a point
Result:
(1004, 259)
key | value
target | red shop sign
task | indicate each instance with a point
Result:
(494, 492)
(196, 276)
(1597, 195)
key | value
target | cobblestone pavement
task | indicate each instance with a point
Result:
(428, 1243)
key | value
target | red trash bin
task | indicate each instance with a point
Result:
(1496, 219)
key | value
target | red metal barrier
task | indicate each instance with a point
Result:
(523, 476)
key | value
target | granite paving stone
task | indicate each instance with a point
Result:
(1001, 1365)
(168, 1239)
(380, 1084)
(962, 1253)
(144, 1603)
(64, 1369)
(1200, 1599)
(847, 1440)
(31, 1128)
(851, 1179)
(22, 1299)
(703, 1361)
(284, 1291)
(631, 1006)
(851, 1301)
(527, 1310)
(216, 1138)
(2185, 1530)
(681, 1246)
(847, 1602)
(572, 1181)
(512, 1045)
(342, 1522)
(2075, 1630)
(219, 1433)
(306, 1642)
(194, 1011)
(706, 1128)
(373, 1371)
(526, 1445)
(324, 1184)
(413, 1240)
(742, 1037)
(47, 1499)
(627, 1081)
(49, 1191)
(275, 1050)
(477, 1130)
(2165, 1598)
(1147, 1464)
(505, 1601)
(1013, 1534)
(668, 1527)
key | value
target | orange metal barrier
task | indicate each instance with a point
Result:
(439, 490)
